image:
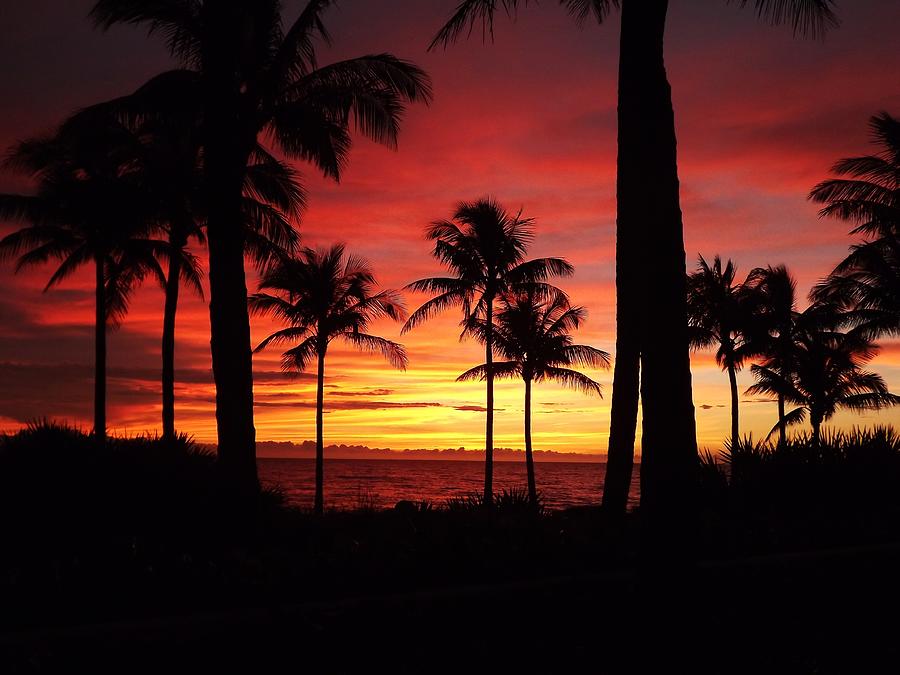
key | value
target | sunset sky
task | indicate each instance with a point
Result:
(530, 120)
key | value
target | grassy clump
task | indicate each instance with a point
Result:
(802, 493)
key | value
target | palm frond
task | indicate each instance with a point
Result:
(393, 352)
(805, 17)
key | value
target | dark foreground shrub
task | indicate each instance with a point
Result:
(845, 488)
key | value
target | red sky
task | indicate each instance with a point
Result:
(529, 119)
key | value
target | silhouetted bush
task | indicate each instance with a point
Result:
(845, 488)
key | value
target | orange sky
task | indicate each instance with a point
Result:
(530, 120)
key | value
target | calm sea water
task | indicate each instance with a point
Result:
(350, 483)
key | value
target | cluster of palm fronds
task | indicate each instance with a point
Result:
(814, 360)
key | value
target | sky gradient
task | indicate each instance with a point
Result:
(530, 120)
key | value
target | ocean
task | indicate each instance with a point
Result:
(351, 483)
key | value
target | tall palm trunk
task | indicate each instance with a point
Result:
(488, 496)
(99, 351)
(319, 501)
(529, 456)
(782, 424)
(648, 194)
(228, 140)
(735, 421)
(168, 340)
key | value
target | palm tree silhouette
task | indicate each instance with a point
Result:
(827, 373)
(652, 341)
(250, 75)
(174, 167)
(533, 334)
(485, 250)
(776, 296)
(866, 284)
(90, 207)
(721, 313)
(324, 295)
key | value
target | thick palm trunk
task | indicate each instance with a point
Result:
(488, 496)
(649, 207)
(227, 142)
(99, 352)
(168, 345)
(735, 421)
(319, 501)
(782, 424)
(529, 456)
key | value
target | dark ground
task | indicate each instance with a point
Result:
(136, 558)
(827, 612)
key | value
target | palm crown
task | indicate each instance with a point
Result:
(324, 295)
(866, 284)
(721, 312)
(90, 206)
(485, 250)
(827, 372)
(534, 336)
(307, 110)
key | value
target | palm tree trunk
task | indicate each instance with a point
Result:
(529, 456)
(100, 351)
(626, 379)
(782, 425)
(319, 503)
(488, 497)
(227, 143)
(816, 422)
(735, 422)
(648, 203)
(168, 343)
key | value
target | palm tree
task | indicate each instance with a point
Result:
(652, 341)
(776, 296)
(251, 75)
(324, 295)
(827, 375)
(485, 250)
(534, 336)
(173, 164)
(90, 207)
(721, 313)
(866, 283)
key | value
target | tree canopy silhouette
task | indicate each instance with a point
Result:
(778, 320)
(721, 314)
(866, 284)
(652, 341)
(533, 336)
(325, 295)
(484, 247)
(827, 373)
(90, 208)
(254, 74)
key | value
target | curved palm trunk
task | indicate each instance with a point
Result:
(319, 502)
(227, 143)
(168, 344)
(648, 194)
(488, 496)
(99, 351)
(735, 421)
(529, 456)
(782, 424)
